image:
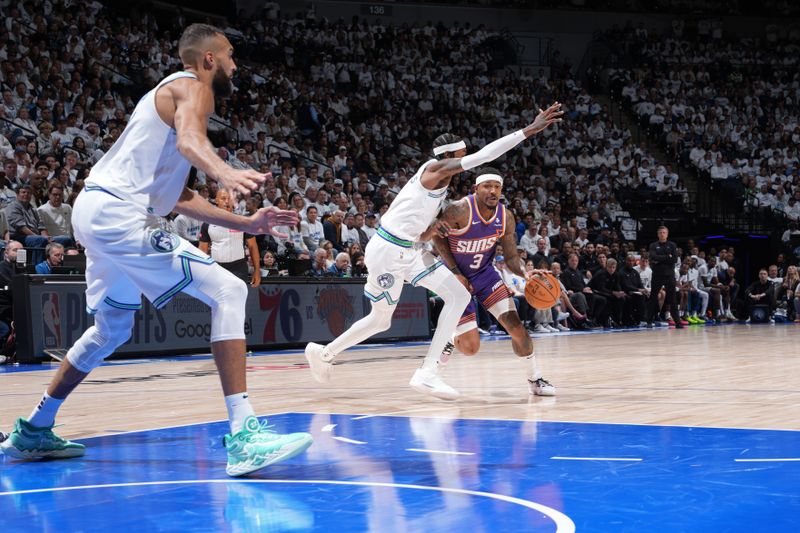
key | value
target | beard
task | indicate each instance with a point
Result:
(221, 84)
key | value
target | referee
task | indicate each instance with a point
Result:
(663, 254)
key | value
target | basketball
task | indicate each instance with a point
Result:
(542, 291)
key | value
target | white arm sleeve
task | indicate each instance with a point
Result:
(493, 150)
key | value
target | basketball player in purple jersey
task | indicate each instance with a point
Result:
(477, 223)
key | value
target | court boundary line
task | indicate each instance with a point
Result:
(563, 523)
(364, 417)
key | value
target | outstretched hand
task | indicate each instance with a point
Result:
(265, 219)
(551, 115)
(241, 182)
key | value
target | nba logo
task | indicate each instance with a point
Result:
(51, 320)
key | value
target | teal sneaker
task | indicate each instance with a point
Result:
(256, 446)
(31, 442)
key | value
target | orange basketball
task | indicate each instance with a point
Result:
(542, 291)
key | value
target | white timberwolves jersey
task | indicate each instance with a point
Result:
(414, 209)
(144, 166)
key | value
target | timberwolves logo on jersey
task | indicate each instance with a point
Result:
(163, 241)
(386, 281)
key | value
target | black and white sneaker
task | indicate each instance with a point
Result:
(541, 387)
(3, 436)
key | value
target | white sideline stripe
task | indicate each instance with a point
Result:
(423, 450)
(349, 441)
(561, 458)
(768, 460)
(563, 523)
(328, 428)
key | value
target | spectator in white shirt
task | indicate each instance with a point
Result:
(311, 229)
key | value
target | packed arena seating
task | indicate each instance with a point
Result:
(725, 107)
(342, 113)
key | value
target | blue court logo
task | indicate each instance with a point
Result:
(163, 241)
(386, 281)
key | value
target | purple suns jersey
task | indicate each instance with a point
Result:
(474, 246)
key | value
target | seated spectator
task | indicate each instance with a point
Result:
(55, 257)
(55, 214)
(341, 267)
(359, 267)
(605, 282)
(7, 271)
(332, 228)
(269, 265)
(581, 296)
(541, 259)
(320, 266)
(311, 229)
(760, 293)
(631, 284)
(25, 226)
(786, 300)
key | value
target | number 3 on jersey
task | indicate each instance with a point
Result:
(477, 263)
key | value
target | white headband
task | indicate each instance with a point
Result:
(488, 177)
(452, 147)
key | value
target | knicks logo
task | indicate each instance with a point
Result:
(475, 246)
(51, 320)
(335, 306)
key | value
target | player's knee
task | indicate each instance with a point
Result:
(381, 317)
(227, 318)
(113, 328)
(468, 347)
(231, 292)
(458, 295)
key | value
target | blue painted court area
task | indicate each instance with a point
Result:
(387, 474)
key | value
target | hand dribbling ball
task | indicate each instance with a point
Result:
(542, 291)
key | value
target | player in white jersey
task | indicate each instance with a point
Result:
(143, 177)
(392, 256)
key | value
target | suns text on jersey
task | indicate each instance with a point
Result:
(475, 246)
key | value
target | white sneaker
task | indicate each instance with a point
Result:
(559, 327)
(541, 387)
(321, 367)
(550, 328)
(429, 382)
(540, 328)
(562, 316)
(3, 359)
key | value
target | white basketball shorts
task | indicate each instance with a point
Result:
(390, 261)
(128, 254)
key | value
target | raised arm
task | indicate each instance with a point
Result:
(187, 104)
(438, 173)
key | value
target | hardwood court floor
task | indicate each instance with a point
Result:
(724, 376)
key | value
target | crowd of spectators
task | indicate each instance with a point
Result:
(340, 113)
(728, 107)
